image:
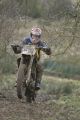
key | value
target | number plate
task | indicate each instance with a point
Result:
(28, 50)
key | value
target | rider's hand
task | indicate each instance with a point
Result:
(16, 48)
(47, 51)
(13, 47)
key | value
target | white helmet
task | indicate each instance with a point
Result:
(36, 31)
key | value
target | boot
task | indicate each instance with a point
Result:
(37, 86)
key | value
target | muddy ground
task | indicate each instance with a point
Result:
(11, 108)
(46, 107)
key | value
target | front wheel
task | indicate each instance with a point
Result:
(30, 95)
(20, 79)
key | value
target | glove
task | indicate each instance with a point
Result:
(47, 51)
(16, 48)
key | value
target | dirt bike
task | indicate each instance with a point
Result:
(27, 72)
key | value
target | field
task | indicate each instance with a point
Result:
(59, 20)
(58, 99)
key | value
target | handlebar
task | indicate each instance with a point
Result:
(41, 47)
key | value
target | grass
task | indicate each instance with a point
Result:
(50, 85)
(7, 82)
(67, 90)
(64, 68)
(66, 85)
(67, 101)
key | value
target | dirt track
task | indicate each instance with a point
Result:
(13, 109)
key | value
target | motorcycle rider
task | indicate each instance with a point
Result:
(35, 39)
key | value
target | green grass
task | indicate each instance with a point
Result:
(66, 69)
(7, 81)
(66, 102)
(64, 89)
(8, 63)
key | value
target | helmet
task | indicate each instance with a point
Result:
(36, 31)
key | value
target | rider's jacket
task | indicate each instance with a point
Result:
(17, 48)
(29, 41)
(40, 43)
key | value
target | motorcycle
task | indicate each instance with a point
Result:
(26, 78)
